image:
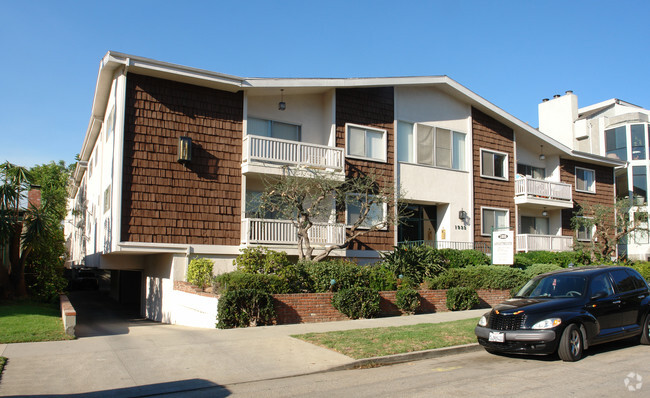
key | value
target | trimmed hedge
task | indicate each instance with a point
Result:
(463, 258)
(238, 280)
(407, 299)
(461, 299)
(245, 307)
(481, 277)
(563, 259)
(199, 272)
(357, 302)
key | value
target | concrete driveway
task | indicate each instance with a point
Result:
(119, 355)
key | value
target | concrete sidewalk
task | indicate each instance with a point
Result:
(144, 358)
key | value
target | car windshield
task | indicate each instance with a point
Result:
(554, 286)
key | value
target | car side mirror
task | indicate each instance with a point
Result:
(599, 295)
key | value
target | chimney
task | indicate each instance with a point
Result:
(557, 117)
(34, 196)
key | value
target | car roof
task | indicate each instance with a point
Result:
(586, 270)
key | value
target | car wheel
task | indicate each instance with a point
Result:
(570, 349)
(645, 330)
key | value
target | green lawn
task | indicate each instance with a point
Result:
(27, 321)
(368, 343)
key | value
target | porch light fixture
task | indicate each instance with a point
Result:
(544, 213)
(184, 149)
(462, 214)
(541, 153)
(282, 105)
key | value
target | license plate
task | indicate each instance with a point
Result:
(497, 337)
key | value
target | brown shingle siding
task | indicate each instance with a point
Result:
(164, 201)
(372, 107)
(488, 133)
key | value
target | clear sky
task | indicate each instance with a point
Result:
(513, 53)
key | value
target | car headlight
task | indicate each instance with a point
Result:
(547, 323)
(482, 321)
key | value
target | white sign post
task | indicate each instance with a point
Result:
(503, 245)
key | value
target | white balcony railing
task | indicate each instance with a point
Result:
(265, 149)
(277, 232)
(542, 189)
(553, 243)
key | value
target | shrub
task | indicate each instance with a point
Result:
(563, 259)
(344, 273)
(463, 258)
(238, 280)
(357, 302)
(379, 277)
(245, 307)
(260, 260)
(538, 269)
(481, 277)
(461, 298)
(643, 268)
(416, 262)
(407, 299)
(199, 272)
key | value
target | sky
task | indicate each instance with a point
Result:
(512, 53)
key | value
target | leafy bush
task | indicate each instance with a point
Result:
(344, 273)
(260, 260)
(199, 272)
(416, 262)
(245, 307)
(481, 277)
(379, 277)
(461, 298)
(463, 258)
(538, 269)
(407, 299)
(643, 268)
(238, 280)
(563, 259)
(357, 302)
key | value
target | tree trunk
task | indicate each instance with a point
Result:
(17, 273)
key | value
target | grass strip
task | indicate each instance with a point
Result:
(27, 321)
(374, 342)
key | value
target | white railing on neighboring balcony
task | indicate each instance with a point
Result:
(277, 232)
(531, 187)
(553, 243)
(258, 148)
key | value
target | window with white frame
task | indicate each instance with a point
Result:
(585, 230)
(429, 145)
(366, 142)
(494, 164)
(492, 219)
(585, 180)
(271, 128)
(355, 206)
(110, 123)
(107, 199)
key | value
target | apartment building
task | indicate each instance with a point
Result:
(142, 208)
(615, 129)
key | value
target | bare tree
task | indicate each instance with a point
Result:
(610, 226)
(314, 196)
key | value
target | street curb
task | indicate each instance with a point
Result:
(408, 357)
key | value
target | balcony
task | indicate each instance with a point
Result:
(269, 155)
(551, 194)
(259, 231)
(552, 243)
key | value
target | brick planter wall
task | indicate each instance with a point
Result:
(317, 307)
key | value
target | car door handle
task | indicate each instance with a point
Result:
(641, 296)
(616, 302)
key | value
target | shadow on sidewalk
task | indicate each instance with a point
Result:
(99, 315)
(193, 387)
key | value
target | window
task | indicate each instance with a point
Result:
(107, 199)
(637, 136)
(366, 142)
(492, 219)
(584, 231)
(531, 171)
(615, 142)
(600, 283)
(534, 225)
(585, 180)
(270, 128)
(639, 185)
(494, 164)
(375, 216)
(428, 145)
(623, 281)
(110, 123)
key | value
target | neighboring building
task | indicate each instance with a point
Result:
(464, 165)
(615, 129)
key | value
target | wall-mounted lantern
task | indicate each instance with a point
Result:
(184, 149)
(282, 105)
(462, 215)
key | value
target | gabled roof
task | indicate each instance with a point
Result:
(588, 111)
